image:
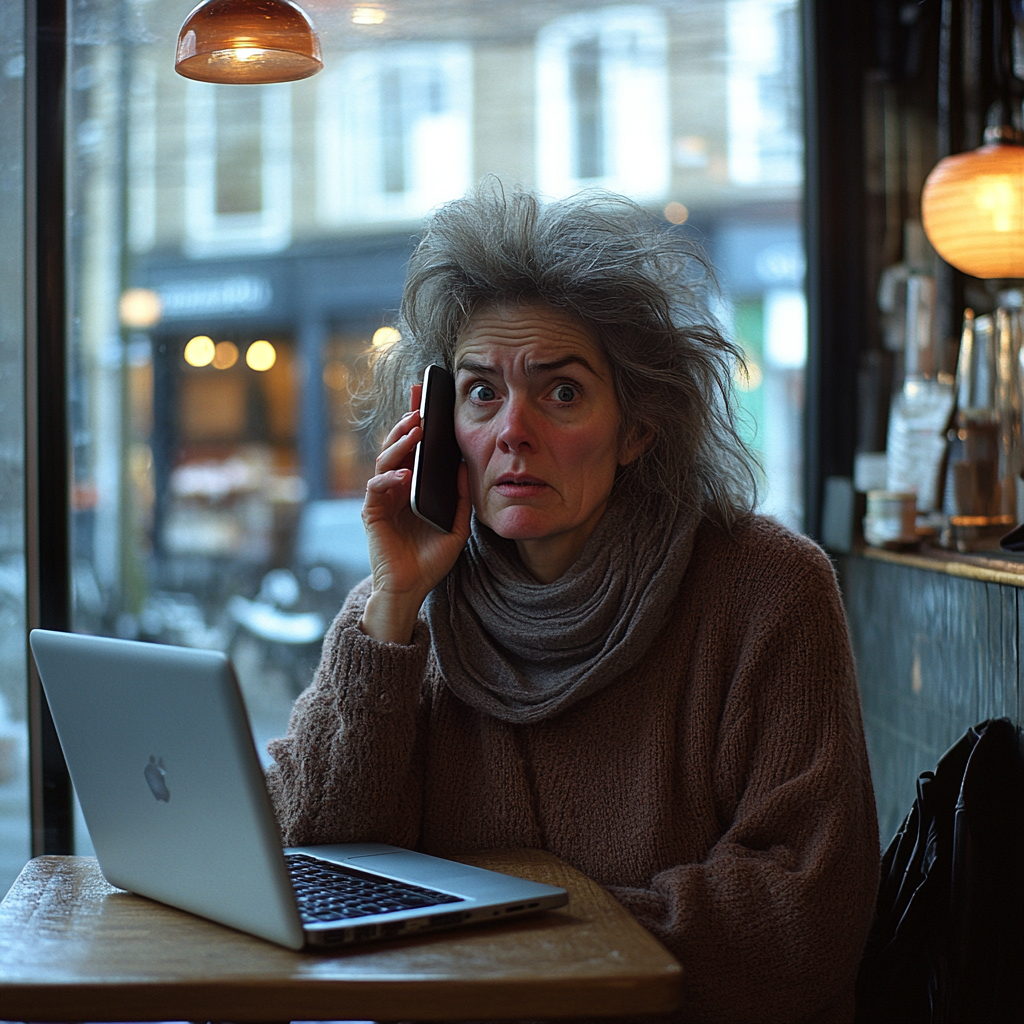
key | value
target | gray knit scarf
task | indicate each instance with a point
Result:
(523, 651)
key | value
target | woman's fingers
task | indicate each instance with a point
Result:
(399, 444)
(408, 557)
(387, 494)
(403, 436)
(384, 482)
(400, 428)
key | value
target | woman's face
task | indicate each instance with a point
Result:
(539, 427)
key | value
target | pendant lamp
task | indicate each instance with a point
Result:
(973, 207)
(248, 42)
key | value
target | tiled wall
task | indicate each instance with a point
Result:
(935, 655)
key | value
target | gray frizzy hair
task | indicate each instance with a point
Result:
(639, 288)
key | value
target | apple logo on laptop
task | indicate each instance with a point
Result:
(156, 777)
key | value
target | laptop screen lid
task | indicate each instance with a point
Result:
(158, 746)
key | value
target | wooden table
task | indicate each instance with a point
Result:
(73, 947)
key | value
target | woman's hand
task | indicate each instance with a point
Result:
(408, 557)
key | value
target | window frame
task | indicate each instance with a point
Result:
(47, 492)
(836, 45)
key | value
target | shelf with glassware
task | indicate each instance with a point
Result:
(952, 468)
(954, 456)
(940, 393)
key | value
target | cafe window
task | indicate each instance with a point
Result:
(205, 223)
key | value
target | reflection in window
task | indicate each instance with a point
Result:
(588, 123)
(762, 266)
(238, 169)
(392, 133)
(602, 103)
(142, 158)
(395, 132)
(346, 369)
(765, 131)
(239, 156)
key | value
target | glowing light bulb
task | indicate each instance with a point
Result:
(260, 356)
(972, 207)
(247, 52)
(200, 351)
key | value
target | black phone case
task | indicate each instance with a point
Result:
(435, 487)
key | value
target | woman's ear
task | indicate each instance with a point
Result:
(635, 443)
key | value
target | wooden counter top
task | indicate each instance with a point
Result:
(988, 567)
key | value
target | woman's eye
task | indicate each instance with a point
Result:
(565, 393)
(481, 393)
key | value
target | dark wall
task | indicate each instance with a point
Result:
(935, 654)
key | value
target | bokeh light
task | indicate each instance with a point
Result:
(140, 308)
(225, 355)
(676, 213)
(385, 337)
(747, 375)
(200, 351)
(336, 376)
(260, 355)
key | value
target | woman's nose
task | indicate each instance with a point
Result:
(515, 433)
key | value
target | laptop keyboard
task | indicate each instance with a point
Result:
(330, 892)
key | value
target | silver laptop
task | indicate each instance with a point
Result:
(158, 745)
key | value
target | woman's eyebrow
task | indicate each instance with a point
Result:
(534, 369)
(558, 364)
(480, 368)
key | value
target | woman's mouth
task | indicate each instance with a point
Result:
(519, 485)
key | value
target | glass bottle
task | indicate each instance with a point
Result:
(985, 441)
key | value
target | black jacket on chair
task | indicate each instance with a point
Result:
(947, 944)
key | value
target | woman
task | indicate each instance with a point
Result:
(609, 657)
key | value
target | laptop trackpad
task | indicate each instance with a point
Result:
(417, 867)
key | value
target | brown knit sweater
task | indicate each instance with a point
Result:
(720, 790)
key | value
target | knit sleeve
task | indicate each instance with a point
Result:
(349, 768)
(771, 923)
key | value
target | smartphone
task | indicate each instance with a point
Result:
(435, 467)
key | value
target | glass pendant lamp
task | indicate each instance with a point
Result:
(973, 207)
(248, 42)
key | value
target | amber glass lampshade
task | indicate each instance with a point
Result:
(973, 210)
(248, 42)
